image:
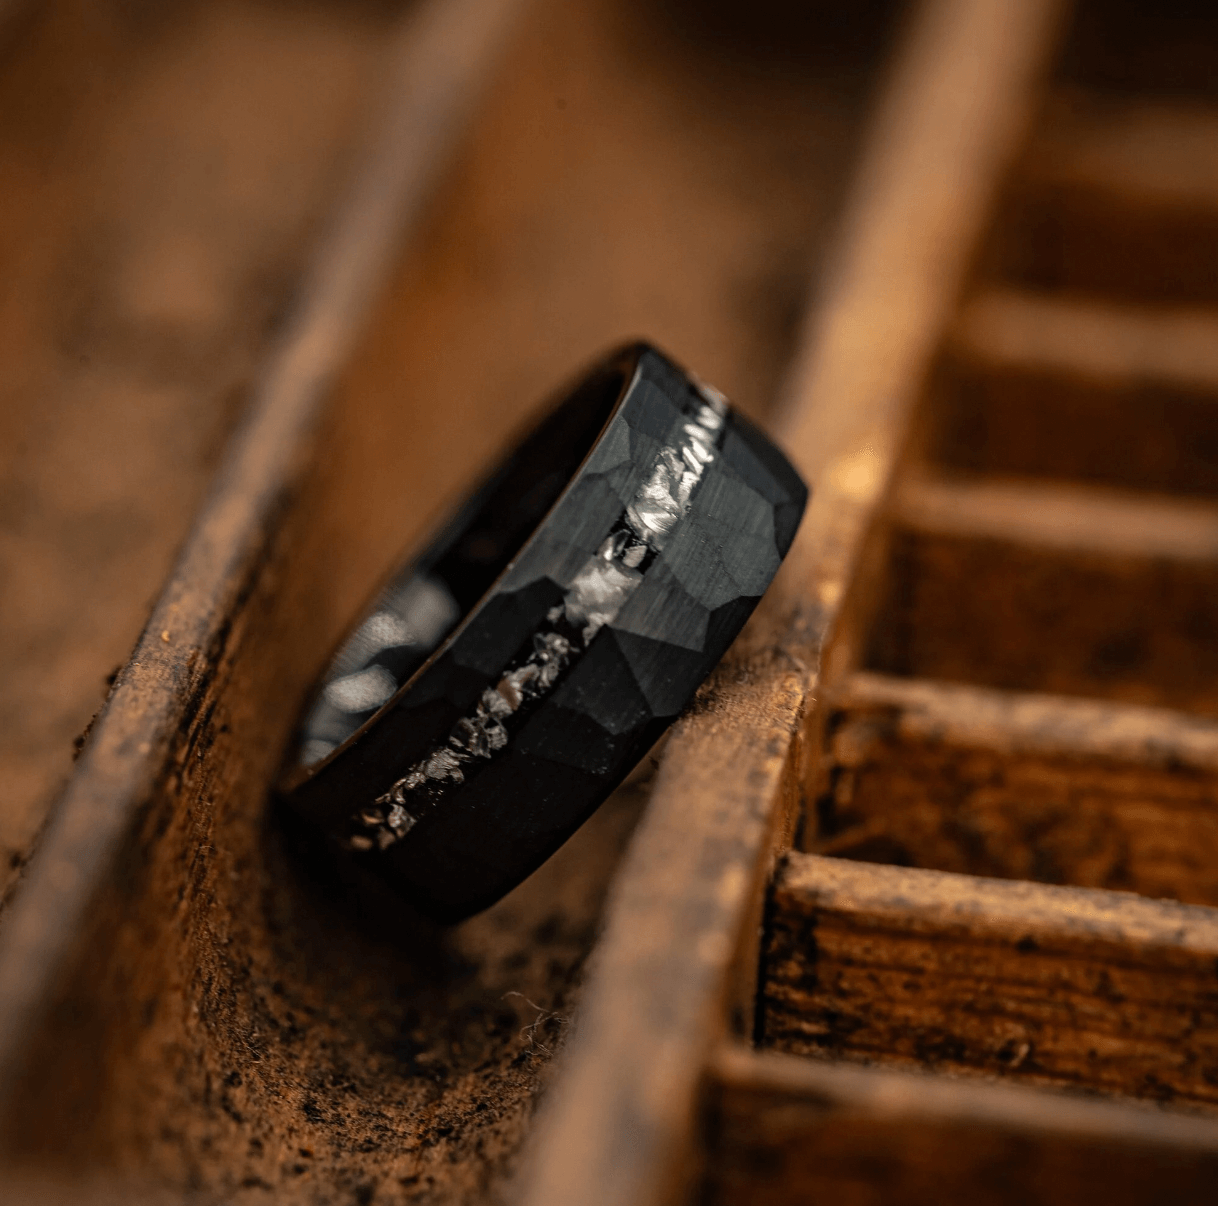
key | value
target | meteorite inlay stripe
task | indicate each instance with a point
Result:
(596, 595)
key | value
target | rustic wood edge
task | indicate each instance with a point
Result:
(1035, 983)
(443, 58)
(1104, 343)
(1028, 723)
(880, 1092)
(941, 901)
(619, 1124)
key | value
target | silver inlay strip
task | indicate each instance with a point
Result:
(596, 595)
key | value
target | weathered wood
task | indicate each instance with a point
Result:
(1070, 986)
(1028, 588)
(784, 1130)
(1098, 341)
(1015, 584)
(1039, 787)
(1040, 385)
(619, 1123)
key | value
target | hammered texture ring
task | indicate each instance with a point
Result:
(511, 675)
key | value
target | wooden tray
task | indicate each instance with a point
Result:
(887, 930)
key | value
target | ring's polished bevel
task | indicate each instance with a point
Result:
(512, 675)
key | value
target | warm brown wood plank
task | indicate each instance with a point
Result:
(785, 1130)
(1021, 786)
(675, 960)
(1023, 586)
(1071, 388)
(1117, 196)
(1069, 986)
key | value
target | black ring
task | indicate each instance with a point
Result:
(510, 677)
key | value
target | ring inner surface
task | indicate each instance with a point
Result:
(428, 598)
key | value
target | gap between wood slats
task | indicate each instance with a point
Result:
(1019, 725)
(783, 1129)
(1052, 985)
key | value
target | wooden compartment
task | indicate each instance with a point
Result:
(1037, 787)
(1065, 590)
(1114, 194)
(1117, 198)
(782, 1129)
(190, 1009)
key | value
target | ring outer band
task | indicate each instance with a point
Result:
(571, 747)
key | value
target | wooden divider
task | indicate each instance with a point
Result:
(1041, 787)
(783, 1129)
(1046, 386)
(1117, 196)
(1049, 529)
(1036, 588)
(1067, 986)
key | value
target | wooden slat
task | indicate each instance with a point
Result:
(1028, 726)
(1118, 197)
(1097, 391)
(1028, 587)
(1006, 329)
(787, 1130)
(1041, 787)
(1077, 519)
(1163, 153)
(676, 959)
(1069, 986)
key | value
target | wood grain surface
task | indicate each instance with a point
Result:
(162, 184)
(1101, 990)
(1035, 590)
(1038, 385)
(783, 1129)
(1041, 787)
